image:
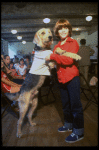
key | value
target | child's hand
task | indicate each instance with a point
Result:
(47, 57)
(58, 50)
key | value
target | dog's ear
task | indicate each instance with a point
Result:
(36, 39)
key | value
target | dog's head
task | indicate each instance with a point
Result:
(43, 38)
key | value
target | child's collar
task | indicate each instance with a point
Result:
(70, 39)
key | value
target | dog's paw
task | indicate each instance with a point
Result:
(19, 134)
(58, 51)
(51, 64)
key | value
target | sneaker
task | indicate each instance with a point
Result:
(74, 138)
(63, 129)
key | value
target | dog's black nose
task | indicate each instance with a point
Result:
(50, 37)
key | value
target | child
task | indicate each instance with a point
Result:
(69, 83)
(11, 67)
(16, 63)
(22, 68)
(16, 78)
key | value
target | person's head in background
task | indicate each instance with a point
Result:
(7, 59)
(27, 59)
(11, 65)
(21, 61)
(16, 60)
(3, 68)
(83, 42)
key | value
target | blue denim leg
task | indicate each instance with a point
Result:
(65, 104)
(78, 131)
(76, 106)
(72, 107)
(68, 125)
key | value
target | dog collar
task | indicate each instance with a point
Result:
(37, 47)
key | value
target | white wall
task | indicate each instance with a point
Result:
(4, 46)
(14, 47)
(12, 50)
(91, 40)
(18, 46)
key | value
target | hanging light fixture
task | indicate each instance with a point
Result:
(23, 42)
(13, 31)
(77, 29)
(19, 37)
(88, 18)
(46, 20)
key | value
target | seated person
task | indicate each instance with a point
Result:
(7, 59)
(16, 78)
(7, 62)
(6, 84)
(12, 73)
(16, 63)
(22, 68)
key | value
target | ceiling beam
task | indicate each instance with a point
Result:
(33, 22)
(51, 16)
(29, 38)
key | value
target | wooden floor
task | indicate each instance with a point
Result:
(49, 118)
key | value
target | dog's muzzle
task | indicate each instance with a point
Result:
(50, 38)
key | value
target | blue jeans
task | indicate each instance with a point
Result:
(71, 105)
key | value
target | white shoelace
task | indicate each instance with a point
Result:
(72, 134)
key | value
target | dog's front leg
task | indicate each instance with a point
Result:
(31, 111)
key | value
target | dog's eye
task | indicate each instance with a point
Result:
(43, 33)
